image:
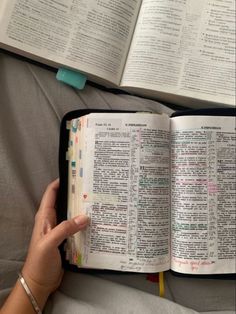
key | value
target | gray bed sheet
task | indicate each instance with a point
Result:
(32, 104)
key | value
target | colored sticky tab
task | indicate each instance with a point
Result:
(68, 125)
(81, 172)
(71, 77)
(69, 153)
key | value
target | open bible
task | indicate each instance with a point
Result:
(179, 51)
(159, 191)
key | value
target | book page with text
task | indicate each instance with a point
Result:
(92, 36)
(203, 199)
(125, 192)
(184, 47)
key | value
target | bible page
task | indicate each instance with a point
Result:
(186, 48)
(203, 200)
(125, 192)
(92, 36)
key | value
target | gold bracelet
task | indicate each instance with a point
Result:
(29, 294)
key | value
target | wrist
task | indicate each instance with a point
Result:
(39, 292)
(19, 300)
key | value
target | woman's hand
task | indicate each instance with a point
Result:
(43, 268)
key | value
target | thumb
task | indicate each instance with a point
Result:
(66, 229)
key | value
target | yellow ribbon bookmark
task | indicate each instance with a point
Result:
(161, 284)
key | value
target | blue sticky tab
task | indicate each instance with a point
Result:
(70, 77)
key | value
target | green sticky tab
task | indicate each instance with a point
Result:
(79, 260)
(70, 77)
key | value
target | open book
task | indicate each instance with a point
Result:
(160, 191)
(172, 50)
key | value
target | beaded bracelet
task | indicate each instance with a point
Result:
(29, 294)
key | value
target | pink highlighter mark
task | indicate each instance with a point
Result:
(212, 187)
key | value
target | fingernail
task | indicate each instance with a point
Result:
(81, 220)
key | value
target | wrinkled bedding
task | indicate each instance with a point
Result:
(32, 104)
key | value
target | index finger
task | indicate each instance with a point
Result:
(46, 215)
(49, 197)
